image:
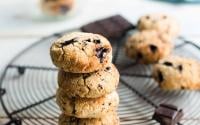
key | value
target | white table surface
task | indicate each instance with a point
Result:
(20, 25)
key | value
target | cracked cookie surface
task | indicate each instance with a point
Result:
(89, 85)
(85, 107)
(79, 52)
(108, 119)
(162, 23)
(148, 46)
(174, 73)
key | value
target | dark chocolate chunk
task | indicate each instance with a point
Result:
(169, 106)
(97, 41)
(180, 68)
(109, 103)
(167, 114)
(153, 48)
(65, 43)
(168, 63)
(100, 86)
(113, 27)
(88, 40)
(100, 53)
(182, 87)
(108, 68)
(160, 77)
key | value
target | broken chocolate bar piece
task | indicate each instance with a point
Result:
(113, 27)
(167, 114)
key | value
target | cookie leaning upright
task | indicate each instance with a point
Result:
(81, 52)
(148, 46)
(173, 73)
(162, 23)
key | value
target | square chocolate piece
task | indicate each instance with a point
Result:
(113, 27)
(167, 114)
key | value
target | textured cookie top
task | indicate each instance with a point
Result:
(110, 118)
(79, 52)
(148, 46)
(162, 23)
(177, 73)
(89, 85)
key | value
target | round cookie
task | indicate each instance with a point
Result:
(108, 119)
(175, 72)
(148, 46)
(87, 108)
(89, 85)
(56, 7)
(162, 23)
(79, 52)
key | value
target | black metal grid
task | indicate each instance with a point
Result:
(31, 104)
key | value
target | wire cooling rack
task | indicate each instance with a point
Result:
(28, 86)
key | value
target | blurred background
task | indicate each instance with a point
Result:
(23, 22)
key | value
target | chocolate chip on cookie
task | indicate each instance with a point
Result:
(153, 48)
(168, 63)
(180, 68)
(101, 53)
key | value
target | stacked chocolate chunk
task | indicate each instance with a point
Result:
(87, 80)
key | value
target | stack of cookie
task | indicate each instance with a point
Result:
(87, 80)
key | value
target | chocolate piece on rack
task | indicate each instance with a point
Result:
(113, 27)
(167, 114)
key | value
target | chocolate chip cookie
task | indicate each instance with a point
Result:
(56, 7)
(148, 46)
(87, 108)
(108, 119)
(162, 23)
(89, 85)
(175, 72)
(80, 52)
